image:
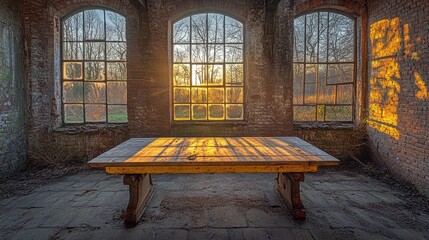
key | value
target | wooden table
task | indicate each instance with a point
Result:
(137, 158)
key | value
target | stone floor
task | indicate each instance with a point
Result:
(89, 205)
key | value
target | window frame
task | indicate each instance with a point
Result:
(305, 62)
(83, 60)
(207, 64)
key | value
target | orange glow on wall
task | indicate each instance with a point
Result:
(384, 94)
(422, 90)
(385, 38)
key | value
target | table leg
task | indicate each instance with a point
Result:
(141, 191)
(288, 187)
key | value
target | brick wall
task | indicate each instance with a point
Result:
(268, 76)
(267, 82)
(398, 118)
(49, 141)
(13, 152)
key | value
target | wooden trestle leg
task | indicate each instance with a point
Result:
(288, 187)
(141, 191)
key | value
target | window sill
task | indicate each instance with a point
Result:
(324, 125)
(89, 128)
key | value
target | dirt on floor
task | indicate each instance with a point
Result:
(418, 199)
(23, 182)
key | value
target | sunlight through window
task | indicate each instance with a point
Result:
(208, 72)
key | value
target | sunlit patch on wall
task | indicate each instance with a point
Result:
(384, 95)
(422, 90)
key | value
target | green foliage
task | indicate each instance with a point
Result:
(118, 118)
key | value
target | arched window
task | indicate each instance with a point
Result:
(94, 72)
(207, 68)
(324, 67)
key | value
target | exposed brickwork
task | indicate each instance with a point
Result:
(13, 151)
(339, 141)
(267, 82)
(398, 78)
(268, 69)
(398, 124)
(47, 137)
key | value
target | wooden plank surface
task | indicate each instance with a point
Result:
(213, 151)
(225, 168)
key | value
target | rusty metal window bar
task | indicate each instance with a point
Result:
(324, 67)
(207, 68)
(94, 67)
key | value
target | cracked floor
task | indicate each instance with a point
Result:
(89, 205)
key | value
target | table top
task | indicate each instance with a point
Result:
(215, 151)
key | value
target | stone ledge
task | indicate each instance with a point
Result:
(325, 125)
(88, 128)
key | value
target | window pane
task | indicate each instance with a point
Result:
(311, 37)
(94, 71)
(216, 112)
(304, 113)
(73, 28)
(115, 27)
(181, 74)
(298, 83)
(234, 95)
(215, 28)
(181, 31)
(199, 75)
(95, 92)
(199, 53)
(310, 93)
(340, 73)
(94, 24)
(216, 52)
(310, 83)
(72, 92)
(215, 75)
(181, 53)
(216, 95)
(117, 93)
(73, 51)
(199, 112)
(299, 39)
(199, 95)
(199, 28)
(116, 71)
(94, 50)
(326, 94)
(339, 113)
(234, 74)
(182, 95)
(73, 113)
(234, 53)
(95, 113)
(344, 94)
(117, 113)
(320, 113)
(233, 31)
(234, 111)
(182, 112)
(116, 51)
(323, 37)
(341, 38)
(72, 71)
